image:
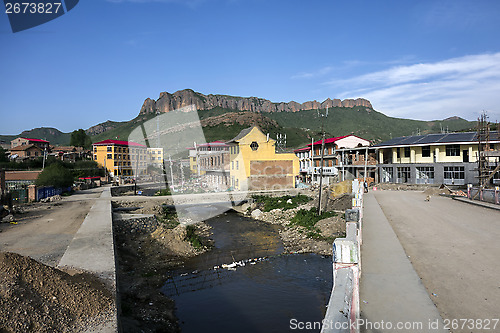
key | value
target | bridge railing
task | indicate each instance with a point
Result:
(343, 308)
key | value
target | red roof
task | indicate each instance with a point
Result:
(329, 140)
(302, 149)
(119, 143)
(35, 140)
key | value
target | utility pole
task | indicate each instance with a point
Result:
(44, 156)
(171, 172)
(321, 165)
(136, 172)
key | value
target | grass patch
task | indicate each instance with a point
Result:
(270, 203)
(168, 217)
(163, 192)
(307, 219)
(193, 238)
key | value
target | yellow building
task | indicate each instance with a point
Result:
(156, 157)
(255, 164)
(121, 158)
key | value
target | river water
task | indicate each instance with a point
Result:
(274, 293)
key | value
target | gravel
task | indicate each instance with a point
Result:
(38, 298)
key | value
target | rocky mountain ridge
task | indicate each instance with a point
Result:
(168, 102)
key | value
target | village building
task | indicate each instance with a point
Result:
(121, 158)
(255, 164)
(343, 158)
(67, 153)
(305, 164)
(24, 152)
(448, 158)
(210, 162)
(42, 144)
(156, 157)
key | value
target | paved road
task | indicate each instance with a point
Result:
(455, 249)
(392, 295)
(47, 229)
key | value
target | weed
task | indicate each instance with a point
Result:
(270, 203)
(168, 217)
(163, 192)
(307, 219)
(193, 238)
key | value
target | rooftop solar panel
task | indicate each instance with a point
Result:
(429, 139)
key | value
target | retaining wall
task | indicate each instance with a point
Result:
(92, 250)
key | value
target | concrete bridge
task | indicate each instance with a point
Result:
(429, 262)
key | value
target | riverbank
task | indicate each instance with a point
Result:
(153, 246)
(310, 237)
(148, 248)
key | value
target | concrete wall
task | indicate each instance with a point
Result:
(92, 249)
(343, 307)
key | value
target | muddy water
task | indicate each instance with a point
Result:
(267, 295)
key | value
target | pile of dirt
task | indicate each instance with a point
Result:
(341, 202)
(39, 298)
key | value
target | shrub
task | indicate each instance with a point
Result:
(55, 175)
(192, 237)
(309, 218)
(168, 217)
(271, 203)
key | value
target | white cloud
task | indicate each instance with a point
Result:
(460, 86)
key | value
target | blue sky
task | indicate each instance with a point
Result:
(413, 59)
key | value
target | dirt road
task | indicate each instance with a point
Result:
(45, 230)
(454, 247)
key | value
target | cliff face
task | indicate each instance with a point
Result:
(168, 102)
(101, 128)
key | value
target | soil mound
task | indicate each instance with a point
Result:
(341, 202)
(39, 298)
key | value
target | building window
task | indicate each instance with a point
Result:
(425, 175)
(95, 157)
(232, 165)
(398, 152)
(403, 174)
(110, 156)
(387, 174)
(454, 172)
(407, 151)
(254, 145)
(109, 148)
(237, 165)
(426, 151)
(452, 150)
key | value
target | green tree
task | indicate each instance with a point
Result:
(55, 175)
(3, 157)
(80, 138)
